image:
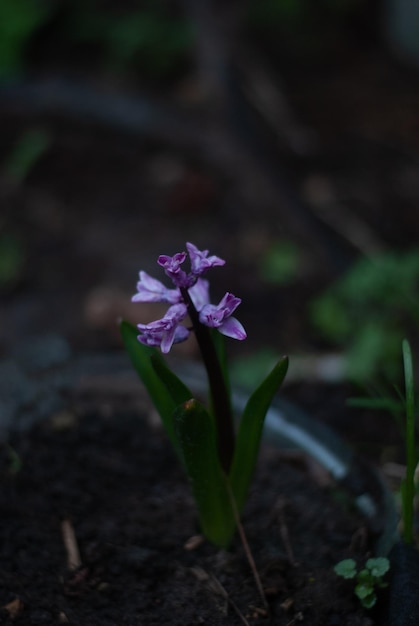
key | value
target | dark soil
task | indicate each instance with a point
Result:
(114, 479)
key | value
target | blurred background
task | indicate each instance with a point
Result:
(282, 135)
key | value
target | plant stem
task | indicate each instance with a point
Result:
(219, 391)
(408, 492)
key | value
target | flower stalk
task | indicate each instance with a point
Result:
(218, 462)
(218, 388)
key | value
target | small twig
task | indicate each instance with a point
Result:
(70, 544)
(218, 588)
(297, 618)
(247, 550)
(320, 194)
(264, 91)
(283, 531)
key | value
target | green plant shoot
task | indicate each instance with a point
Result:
(368, 579)
(403, 409)
(408, 484)
(218, 461)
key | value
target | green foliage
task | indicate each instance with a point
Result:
(346, 568)
(250, 432)
(141, 359)
(193, 433)
(378, 566)
(368, 579)
(28, 150)
(147, 39)
(280, 264)
(197, 436)
(251, 369)
(366, 311)
(19, 21)
(403, 409)
(408, 484)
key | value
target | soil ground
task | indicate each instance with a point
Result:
(131, 511)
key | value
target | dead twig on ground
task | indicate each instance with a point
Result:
(216, 587)
(283, 531)
(71, 545)
(247, 551)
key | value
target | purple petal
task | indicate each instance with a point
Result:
(151, 290)
(165, 331)
(219, 316)
(162, 339)
(232, 328)
(229, 303)
(200, 293)
(171, 265)
(200, 261)
(175, 335)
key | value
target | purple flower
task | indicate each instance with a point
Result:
(200, 261)
(200, 293)
(151, 290)
(171, 265)
(166, 331)
(219, 317)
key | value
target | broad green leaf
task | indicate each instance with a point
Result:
(140, 356)
(196, 434)
(178, 391)
(378, 566)
(250, 432)
(364, 591)
(346, 568)
(369, 601)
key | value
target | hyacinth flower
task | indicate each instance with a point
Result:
(218, 458)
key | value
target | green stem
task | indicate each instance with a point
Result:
(409, 484)
(219, 391)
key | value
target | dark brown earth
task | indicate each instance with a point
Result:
(113, 479)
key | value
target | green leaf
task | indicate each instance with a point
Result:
(19, 22)
(196, 434)
(364, 577)
(378, 566)
(366, 594)
(384, 404)
(346, 568)
(178, 391)
(140, 356)
(27, 152)
(281, 263)
(250, 432)
(369, 600)
(408, 485)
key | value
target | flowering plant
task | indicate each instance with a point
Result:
(218, 460)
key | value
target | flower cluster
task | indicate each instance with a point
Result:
(190, 290)
(218, 460)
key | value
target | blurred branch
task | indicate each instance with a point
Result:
(233, 146)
